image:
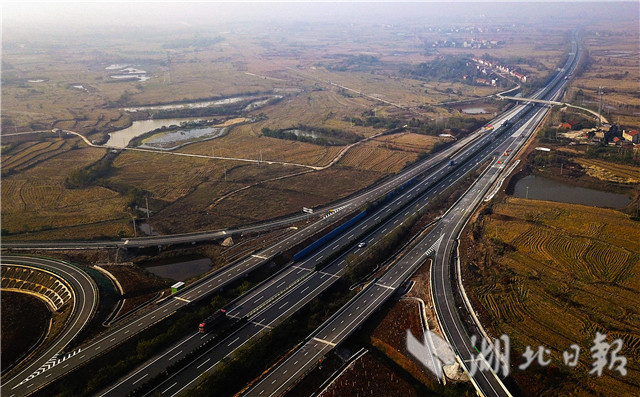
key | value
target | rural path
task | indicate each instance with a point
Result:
(324, 167)
(192, 155)
(310, 168)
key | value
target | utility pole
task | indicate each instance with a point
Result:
(527, 193)
(600, 107)
(561, 166)
(147, 202)
(225, 173)
(135, 232)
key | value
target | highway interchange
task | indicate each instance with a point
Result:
(438, 244)
(85, 303)
(214, 282)
(293, 287)
(288, 291)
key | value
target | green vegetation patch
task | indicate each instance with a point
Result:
(316, 135)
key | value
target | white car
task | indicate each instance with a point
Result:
(362, 244)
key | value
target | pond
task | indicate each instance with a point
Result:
(308, 134)
(539, 188)
(127, 72)
(254, 103)
(191, 105)
(181, 270)
(120, 139)
(474, 111)
(170, 140)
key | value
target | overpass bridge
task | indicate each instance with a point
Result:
(553, 103)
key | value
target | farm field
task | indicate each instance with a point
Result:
(36, 199)
(378, 157)
(49, 84)
(199, 210)
(246, 141)
(613, 55)
(554, 274)
(608, 171)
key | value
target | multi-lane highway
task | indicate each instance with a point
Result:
(439, 243)
(339, 327)
(352, 202)
(290, 290)
(85, 297)
(218, 279)
(298, 284)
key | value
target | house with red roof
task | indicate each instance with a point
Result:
(566, 125)
(631, 136)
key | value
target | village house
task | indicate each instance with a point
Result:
(631, 136)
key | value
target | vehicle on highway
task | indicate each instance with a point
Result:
(452, 162)
(215, 319)
(362, 245)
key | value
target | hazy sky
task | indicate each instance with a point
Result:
(24, 15)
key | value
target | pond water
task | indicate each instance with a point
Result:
(474, 111)
(540, 188)
(190, 105)
(182, 270)
(116, 66)
(139, 77)
(309, 134)
(173, 139)
(121, 138)
(128, 72)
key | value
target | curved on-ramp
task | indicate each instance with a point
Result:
(85, 301)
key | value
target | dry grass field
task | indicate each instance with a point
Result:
(36, 198)
(369, 377)
(200, 210)
(375, 156)
(390, 338)
(553, 275)
(612, 172)
(185, 193)
(246, 141)
(613, 51)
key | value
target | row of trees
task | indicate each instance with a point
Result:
(324, 136)
(88, 176)
(456, 125)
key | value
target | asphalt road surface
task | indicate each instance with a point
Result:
(290, 290)
(439, 244)
(211, 283)
(85, 302)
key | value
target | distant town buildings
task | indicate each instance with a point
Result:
(481, 63)
(472, 43)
